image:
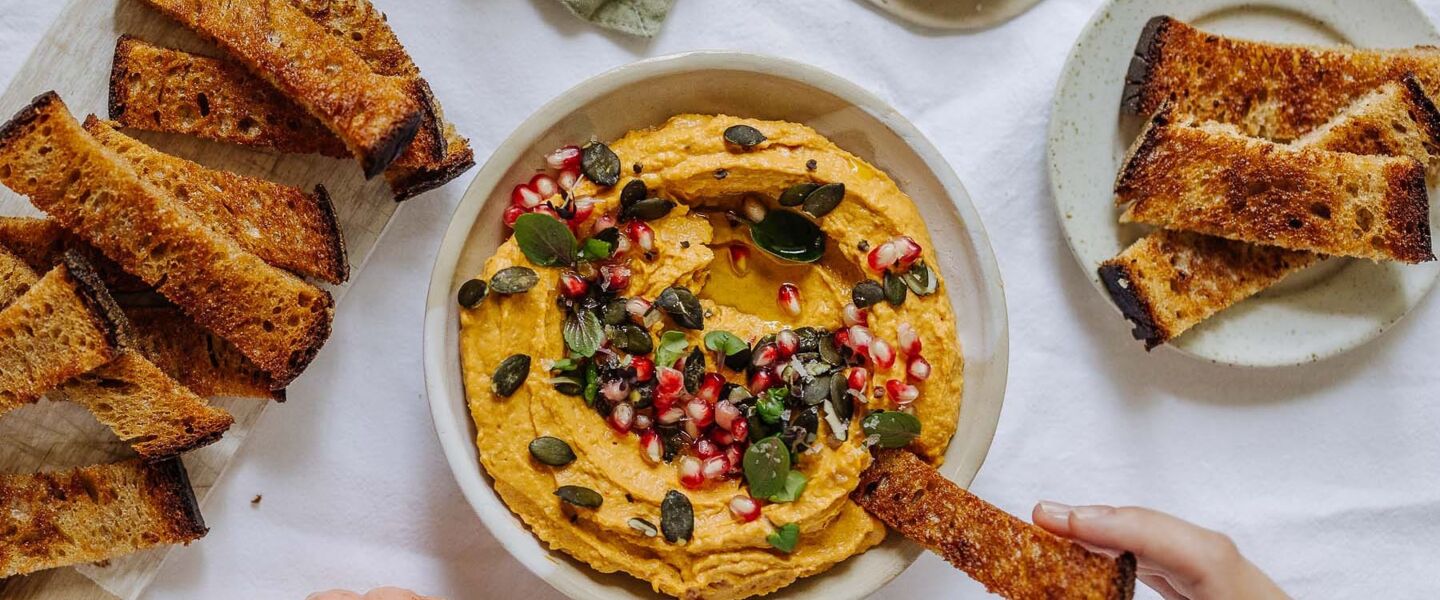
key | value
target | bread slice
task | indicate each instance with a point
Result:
(283, 225)
(42, 244)
(276, 319)
(63, 325)
(1169, 281)
(1275, 91)
(1212, 179)
(161, 89)
(94, 513)
(1010, 557)
(375, 115)
(16, 277)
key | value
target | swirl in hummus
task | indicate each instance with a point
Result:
(702, 245)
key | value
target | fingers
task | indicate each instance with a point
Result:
(334, 595)
(1187, 553)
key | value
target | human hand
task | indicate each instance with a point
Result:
(380, 593)
(1176, 558)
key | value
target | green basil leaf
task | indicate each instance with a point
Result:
(672, 346)
(767, 464)
(583, 333)
(789, 236)
(724, 342)
(891, 429)
(771, 403)
(785, 537)
(794, 486)
(545, 240)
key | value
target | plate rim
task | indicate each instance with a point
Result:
(1075, 69)
(454, 439)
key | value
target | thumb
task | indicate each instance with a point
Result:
(1187, 553)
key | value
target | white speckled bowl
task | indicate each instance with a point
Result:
(955, 14)
(644, 94)
(1323, 311)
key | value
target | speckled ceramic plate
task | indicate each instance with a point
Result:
(955, 14)
(1323, 311)
(645, 94)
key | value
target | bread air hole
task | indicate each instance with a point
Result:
(1365, 219)
(1319, 209)
(203, 102)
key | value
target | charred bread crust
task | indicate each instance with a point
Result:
(340, 270)
(90, 287)
(299, 359)
(119, 66)
(1410, 216)
(163, 452)
(1120, 284)
(15, 126)
(1147, 54)
(391, 145)
(1422, 108)
(178, 498)
(416, 182)
(1142, 148)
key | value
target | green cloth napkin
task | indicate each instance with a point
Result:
(635, 17)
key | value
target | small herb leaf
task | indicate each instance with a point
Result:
(785, 537)
(794, 486)
(767, 464)
(583, 333)
(672, 347)
(724, 342)
(891, 429)
(545, 240)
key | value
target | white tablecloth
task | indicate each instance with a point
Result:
(1328, 476)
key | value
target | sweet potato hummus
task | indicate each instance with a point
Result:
(712, 458)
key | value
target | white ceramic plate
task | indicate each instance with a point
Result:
(1321, 312)
(645, 94)
(955, 14)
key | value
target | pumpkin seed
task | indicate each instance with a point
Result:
(694, 370)
(509, 375)
(472, 292)
(809, 339)
(744, 136)
(919, 279)
(895, 290)
(631, 338)
(645, 528)
(802, 431)
(682, 306)
(829, 352)
(634, 191)
(824, 199)
(795, 194)
(648, 209)
(843, 407)
(600, 164)
(514, 280)
(891, 429)
(614, 313)
(580, 496)
(677, 517)
(817, 390)
(767, 463)
(552, 451)
(570, 386)
(839, 429)
(867, 293)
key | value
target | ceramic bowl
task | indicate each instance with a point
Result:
(645, 94)
(1320, 312)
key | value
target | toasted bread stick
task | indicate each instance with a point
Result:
(276, 319)
(1169, 281)
(375, 115)
(1010, 557)
(89, 514)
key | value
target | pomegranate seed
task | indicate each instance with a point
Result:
(907, 250)
(637, 307)
(787, 342)
(692, 430)
(670, 416)
(881, 257)
(710, 387)
(754, 210)
(512, 214)
(546, 209)
(745, 508)
(789, 299)
(855, 316)
(707, 449)
(919, 369)
(614, 278)
(901, 393)
(882, 354)
(735, 456)
(725, 414)
(858, 379)
(615, 390)
(622, 245)
(525, 196)
(909, 340)
(715, 468)
(650, 447)
(762, 380)
(567, 178)
(740, 429)
(572, 285)
(643, 235)
(671, 380)
(564, 157)
(721, 437)
(544, 185)
(860, 339)
(584, 207)
(690, 475)
(622, 417)
(765, 355)
(642, 422)
(699, 412)
(644, 368)
(740, 259)
(842, 338)
(602, 223)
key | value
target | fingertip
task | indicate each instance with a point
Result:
(1052, 516)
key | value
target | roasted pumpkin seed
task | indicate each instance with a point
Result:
(509, 375)
(514, 280)
(744, 136)
(552, 451)
(824, 199)
(895, 289)
(677, 517)
(600, 164)
(472, 292)
(580, 496)
(867, 293)
(795, 194)
(682, 306)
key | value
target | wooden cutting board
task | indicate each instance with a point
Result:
(74, 59)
